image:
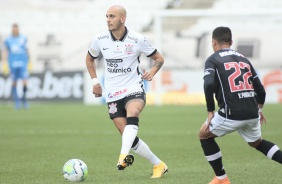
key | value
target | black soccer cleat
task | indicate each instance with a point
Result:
(125, 161)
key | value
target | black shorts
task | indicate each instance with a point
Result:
(117, 108)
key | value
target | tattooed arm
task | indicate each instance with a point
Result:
(158, 62)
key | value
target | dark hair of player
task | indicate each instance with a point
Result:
(222, 35)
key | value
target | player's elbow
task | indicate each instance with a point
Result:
(208, 83)
(159, 60)
(260, 92)
(261, 96)
(208, 86)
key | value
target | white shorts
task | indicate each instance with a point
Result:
(250, 130)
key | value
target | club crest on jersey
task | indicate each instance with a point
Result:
(112, 108)
(128, 49)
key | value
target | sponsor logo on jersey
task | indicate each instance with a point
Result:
(222, 110)
(206, 73)
(117, 93)
(112, 108)
(133, 38)
(128, 49)
(114, 60)
(119, 70)
(105, 48)
(103, 37)
(112, 65)
(136, 94)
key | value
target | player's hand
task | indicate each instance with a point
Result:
(5, 68)
(97, 90)
(210, 116)
(146, 75)
(29, 66)
(262, 118)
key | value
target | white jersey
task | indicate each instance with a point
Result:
(121, 57)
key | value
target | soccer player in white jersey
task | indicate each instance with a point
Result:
(124, 92)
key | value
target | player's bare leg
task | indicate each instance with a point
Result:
(120, 123)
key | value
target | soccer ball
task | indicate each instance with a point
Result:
(75, 170)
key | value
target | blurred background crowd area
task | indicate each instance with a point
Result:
(60, 31)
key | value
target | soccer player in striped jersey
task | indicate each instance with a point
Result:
(240, 96)
(124, 88)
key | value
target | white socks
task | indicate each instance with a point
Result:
(143, 150)
(128, 136)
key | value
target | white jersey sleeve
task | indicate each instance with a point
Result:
(146, 47)
(94, 49)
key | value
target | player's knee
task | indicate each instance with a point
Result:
(202, 134)
(134, 112)
(255, 144)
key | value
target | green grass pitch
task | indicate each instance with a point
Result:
(35, 144)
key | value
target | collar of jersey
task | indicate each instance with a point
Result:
(122, 38)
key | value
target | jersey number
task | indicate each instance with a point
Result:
(243, 85)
